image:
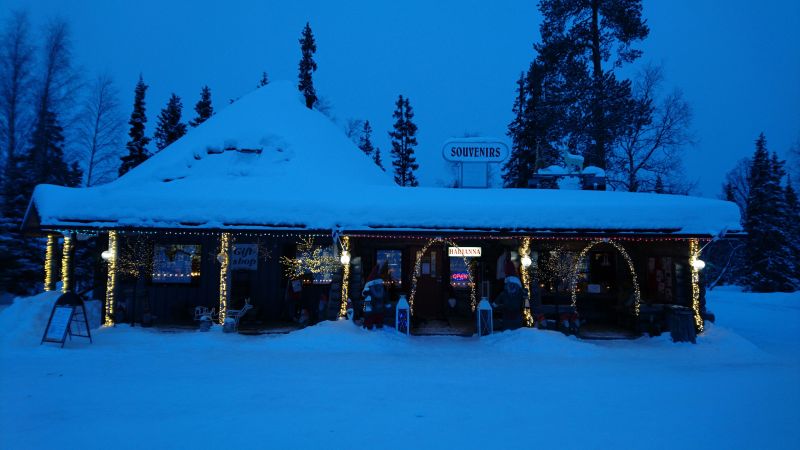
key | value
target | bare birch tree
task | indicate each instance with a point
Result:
(100, 131)
(16, 84)
(652, 146)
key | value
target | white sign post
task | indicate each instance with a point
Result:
(473, 156)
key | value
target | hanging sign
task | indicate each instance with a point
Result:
(465, 252)
(474, 150)
(67, 319)
(244, 257)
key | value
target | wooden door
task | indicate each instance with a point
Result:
(430, 295)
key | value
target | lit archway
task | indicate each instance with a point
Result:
(574, 275)
(417, 264)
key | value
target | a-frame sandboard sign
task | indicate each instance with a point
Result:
(68, 318)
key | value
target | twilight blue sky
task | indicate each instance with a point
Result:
(737, 61)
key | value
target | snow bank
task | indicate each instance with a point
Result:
(268, 161)
(22, 323)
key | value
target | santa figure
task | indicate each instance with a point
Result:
(375, 296)
(512, 300)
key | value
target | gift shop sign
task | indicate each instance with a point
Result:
(464, 252)
(475, 151)
(244, 257)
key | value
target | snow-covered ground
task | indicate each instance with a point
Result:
(336, 386)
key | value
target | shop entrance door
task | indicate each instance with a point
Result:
(430, 295)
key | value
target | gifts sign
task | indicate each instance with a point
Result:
(244, 257)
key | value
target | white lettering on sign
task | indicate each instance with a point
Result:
(473, 150)
(244, 257)
(466, 252)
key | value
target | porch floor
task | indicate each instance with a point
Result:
(602, 331)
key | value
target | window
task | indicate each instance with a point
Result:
(393, 260)
(317, 263)
(176, 263)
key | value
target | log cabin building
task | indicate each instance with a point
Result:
(268, 192)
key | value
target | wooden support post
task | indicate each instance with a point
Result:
(50, 263)
(224, 274)
(66, 264)
(111, 280)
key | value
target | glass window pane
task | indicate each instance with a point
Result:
(176, 263)
(393, 260)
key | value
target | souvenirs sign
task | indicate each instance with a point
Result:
(472, 157)
(471, 150)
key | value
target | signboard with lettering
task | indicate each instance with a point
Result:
(471, 150)
(465, 252)
(67, 319)
(244, 257)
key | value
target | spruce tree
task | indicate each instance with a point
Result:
(263, 81)
(203, 108)
(307, 66)
(403, 142)
(514, 172)
(377, 159)
(793, 225)
(365, 141)
(771, 266)
(578, 37)
(169, 128)
(659, 187)
(137, 145)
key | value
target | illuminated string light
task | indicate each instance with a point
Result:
(525, 257)
(694, 254)
(345, 276)
(621, 249)
(417, 270)
(224, 274)
(311, 259)
(66, 262)
(49, 262)
(111, 280)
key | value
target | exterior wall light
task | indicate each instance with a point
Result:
(345, 258)
(526, 261)
(698, 264)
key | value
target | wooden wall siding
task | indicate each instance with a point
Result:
(174, 303)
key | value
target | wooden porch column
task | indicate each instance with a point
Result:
(111, 280)
(50, 263)
(224, 274)
(66, 264)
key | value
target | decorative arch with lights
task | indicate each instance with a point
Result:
(573, 285)
(417, 265)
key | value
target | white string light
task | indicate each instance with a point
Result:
(66, 262)
(48, 263)
(111, 280)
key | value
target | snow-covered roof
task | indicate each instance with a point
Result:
(267, 161)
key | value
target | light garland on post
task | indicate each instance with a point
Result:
(49, 262)
(621, 249)
(417, 269)
(66, 262)
(525, 262)
(696, 264)
(224, 274)
(111, 280)
(345, 260)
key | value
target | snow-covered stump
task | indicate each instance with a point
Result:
(402, 314)
(484, 317)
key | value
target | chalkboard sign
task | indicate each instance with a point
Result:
(67, 319)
